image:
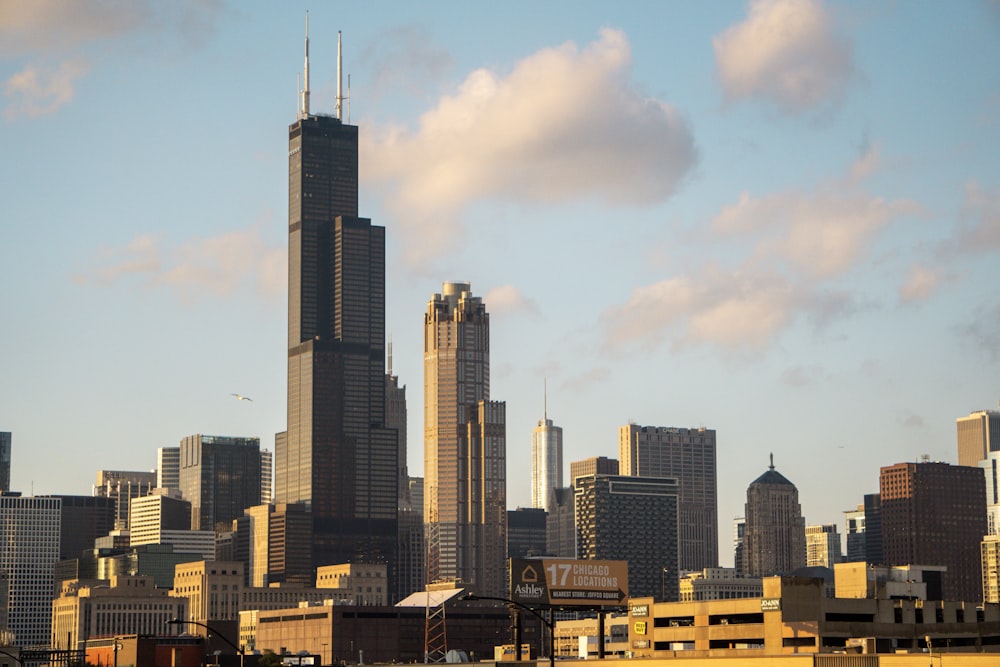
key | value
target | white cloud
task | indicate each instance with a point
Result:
(509, 299)
(221, 265)
(34, 92)
(565, 124)
(785, 52)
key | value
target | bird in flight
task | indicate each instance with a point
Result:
(241, 397)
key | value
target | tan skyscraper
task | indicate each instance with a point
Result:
(465, 480)
(978, 435)
(774, 541)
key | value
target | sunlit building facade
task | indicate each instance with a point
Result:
(465, 482)
(774, 536)
(546, 461)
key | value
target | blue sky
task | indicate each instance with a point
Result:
(777, 219)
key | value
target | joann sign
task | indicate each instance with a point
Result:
(559, 582)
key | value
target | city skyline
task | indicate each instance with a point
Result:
(805, 269)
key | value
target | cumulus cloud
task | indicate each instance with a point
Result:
(799, 243)
(786, 52)
(36, 92)
(221, 265)
(731, 309)
(564, 124)
(509, 299)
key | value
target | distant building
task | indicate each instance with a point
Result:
(935, 514)
(123, 486)
(168, 468)
(990, 554)
(266, 477)
(165, 519)
(855, 520)
(411, 554)
(978, 435)
(873, 529)
(268, 542)
(220, 477)
(991, 468)
(465, 446)
(904, 582)
(546, 460)
(29, 533)
(214, 590)
(5, 451)
(123, 605)
(739, 532)
(83, 519)
(719, 583)
(822, 546)
(595, 465)
(395, 418)
(689, 455)
(526, 532)
(560, 526)
(634, 519)
(774, 542)
(360, 585)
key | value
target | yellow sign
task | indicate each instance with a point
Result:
(640, 627)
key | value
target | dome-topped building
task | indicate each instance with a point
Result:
(774, 541)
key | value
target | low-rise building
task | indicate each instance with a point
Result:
(359, 584)
(719, 583)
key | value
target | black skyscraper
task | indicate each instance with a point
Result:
(338, 458)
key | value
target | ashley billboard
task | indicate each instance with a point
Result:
(560, 582)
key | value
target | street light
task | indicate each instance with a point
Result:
(549, 622)
(239, 651)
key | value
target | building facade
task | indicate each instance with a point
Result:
(719, 583)
(560, 525)
(29, 533)
(855, 522)
(168, 468)
(595, 465)
(123, 486)
(166, 519)
(774, 536)
(822, 546)
(82, 520)
(978, 435)
(526, 532)
(465, 485)
(5, 451)
(546, 461)
(220, 477)
(633, 519)
(363, 585)
(935, 514)
(689, 455)
(337, 456)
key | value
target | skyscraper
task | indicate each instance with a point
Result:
(978, 435)
(822, 546)
(338, 456)
(220, 477)
(633, 519)
(687, 454)
(465, 483)
(29, 533)
(774, 537)
(935, 514)
(546, 460)
(123, 486)
(168, 468)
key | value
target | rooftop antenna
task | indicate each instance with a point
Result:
(545, 398)
(340, 79)
(304, 106)
(771, 467)
(390, 356)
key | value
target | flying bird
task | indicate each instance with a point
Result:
(241, 397)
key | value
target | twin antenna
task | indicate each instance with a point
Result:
(304, 92)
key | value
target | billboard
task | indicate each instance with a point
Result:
(562, 582)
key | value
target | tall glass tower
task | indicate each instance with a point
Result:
(338, 456)
(546, 460)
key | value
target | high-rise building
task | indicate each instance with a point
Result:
(560, 526)
(266, 476)
(935, 514)
(159, 518)
(5, 439)
(546, 460)
(220, 476)
(289, 527)
(739, 532)
(82, 520)
(990, 554)
(873, 529)
(395, 418)
(338, 456)
(526, 532)
(595, 465)
(632, 519)
(687, 454)
(29, 533)
(978, 435)
(855, 520)
(822, 546)
(465, 484)
(774, 538)
(168, 468)
(123, 486)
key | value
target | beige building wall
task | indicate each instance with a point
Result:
(360, 584)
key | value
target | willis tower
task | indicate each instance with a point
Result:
(338, 456)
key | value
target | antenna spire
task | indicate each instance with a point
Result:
(771, 467)
(304, 105)
(340, 80)
(390, 356)
(545, 398)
